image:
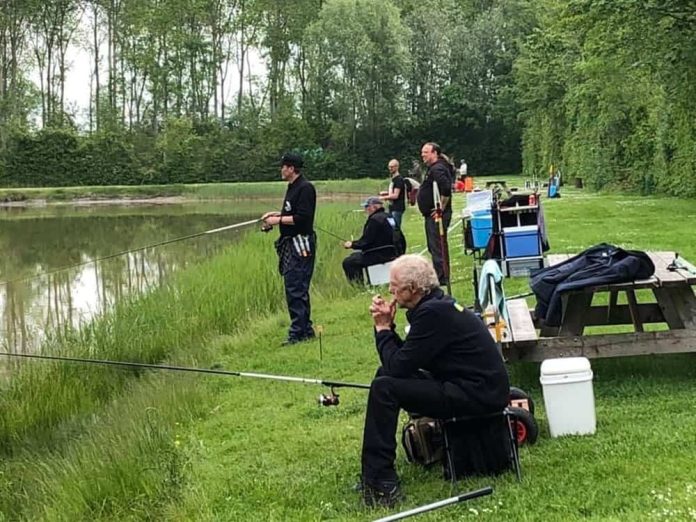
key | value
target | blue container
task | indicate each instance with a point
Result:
(481, 227)
(521, 241)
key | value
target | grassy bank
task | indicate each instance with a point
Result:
(98, 443)
(260, 190)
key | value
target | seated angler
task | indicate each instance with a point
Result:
(376, 245)
(447, 366)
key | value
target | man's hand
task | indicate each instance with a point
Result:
(383, 313)
(269, 214)
(272, 220)
(348, 244)
(436, 214)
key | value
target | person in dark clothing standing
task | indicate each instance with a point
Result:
(440, 172)
(396, 195)
(376, 243)
(448, 365)
(296, 246)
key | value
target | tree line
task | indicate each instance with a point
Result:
(602, 88)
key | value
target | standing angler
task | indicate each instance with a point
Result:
(440, 172)
(296, 246)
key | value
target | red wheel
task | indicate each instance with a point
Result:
(524, 426)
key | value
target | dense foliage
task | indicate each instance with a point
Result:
(604, 89)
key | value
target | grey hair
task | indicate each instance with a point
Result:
(417, 271)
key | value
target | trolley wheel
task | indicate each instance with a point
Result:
(525, 428)
(519, 396)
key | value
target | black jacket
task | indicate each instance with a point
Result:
(599, 265)
(377, 232)
(441, 173)
(453, 345)
(300, 202)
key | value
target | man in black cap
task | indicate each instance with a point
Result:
(296, 246)
(440, 173)
(376, 243)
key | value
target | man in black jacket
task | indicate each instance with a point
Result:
(376, 243)
(466, 375)
(296, 246)
(440, 173)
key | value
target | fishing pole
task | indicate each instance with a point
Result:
(138, 249)
(325, 400)
(329, 233)
(437, 505)
(444, 251)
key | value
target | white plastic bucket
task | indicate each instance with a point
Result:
(568, 396)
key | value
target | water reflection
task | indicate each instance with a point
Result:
(38, 299)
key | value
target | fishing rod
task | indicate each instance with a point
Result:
(325, 400)
(329, 233)
(437, 505)
(441, 230)
(138, 249)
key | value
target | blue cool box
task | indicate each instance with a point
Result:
(521, 241)
(481, 227)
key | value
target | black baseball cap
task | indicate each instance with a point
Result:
(292, 159)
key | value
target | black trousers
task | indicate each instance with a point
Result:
(353, 267)
(435, 246)
(388, 395)
(297, 276)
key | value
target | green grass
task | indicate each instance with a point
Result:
(92, 443)
(258, 190)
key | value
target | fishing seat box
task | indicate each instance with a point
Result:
(522, 241)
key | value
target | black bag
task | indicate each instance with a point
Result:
(422, 441)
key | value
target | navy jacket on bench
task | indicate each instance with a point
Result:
(601, 264)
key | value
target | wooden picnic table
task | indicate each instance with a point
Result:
(672, 303)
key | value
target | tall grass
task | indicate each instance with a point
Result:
(84, 443)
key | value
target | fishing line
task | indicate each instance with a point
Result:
(117, 254)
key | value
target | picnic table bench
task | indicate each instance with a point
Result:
(673, 303)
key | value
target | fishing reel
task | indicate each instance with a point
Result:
(330, 399)
(266, 228)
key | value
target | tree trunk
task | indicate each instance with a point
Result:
(97, 92)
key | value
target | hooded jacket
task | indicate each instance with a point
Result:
(601, 264)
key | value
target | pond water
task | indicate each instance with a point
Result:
(39, 295)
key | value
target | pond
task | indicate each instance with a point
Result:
(49, 280)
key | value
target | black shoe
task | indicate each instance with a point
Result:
(381, 494)
(294, 340)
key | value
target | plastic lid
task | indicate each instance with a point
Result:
(527, 229)
(565, 365)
